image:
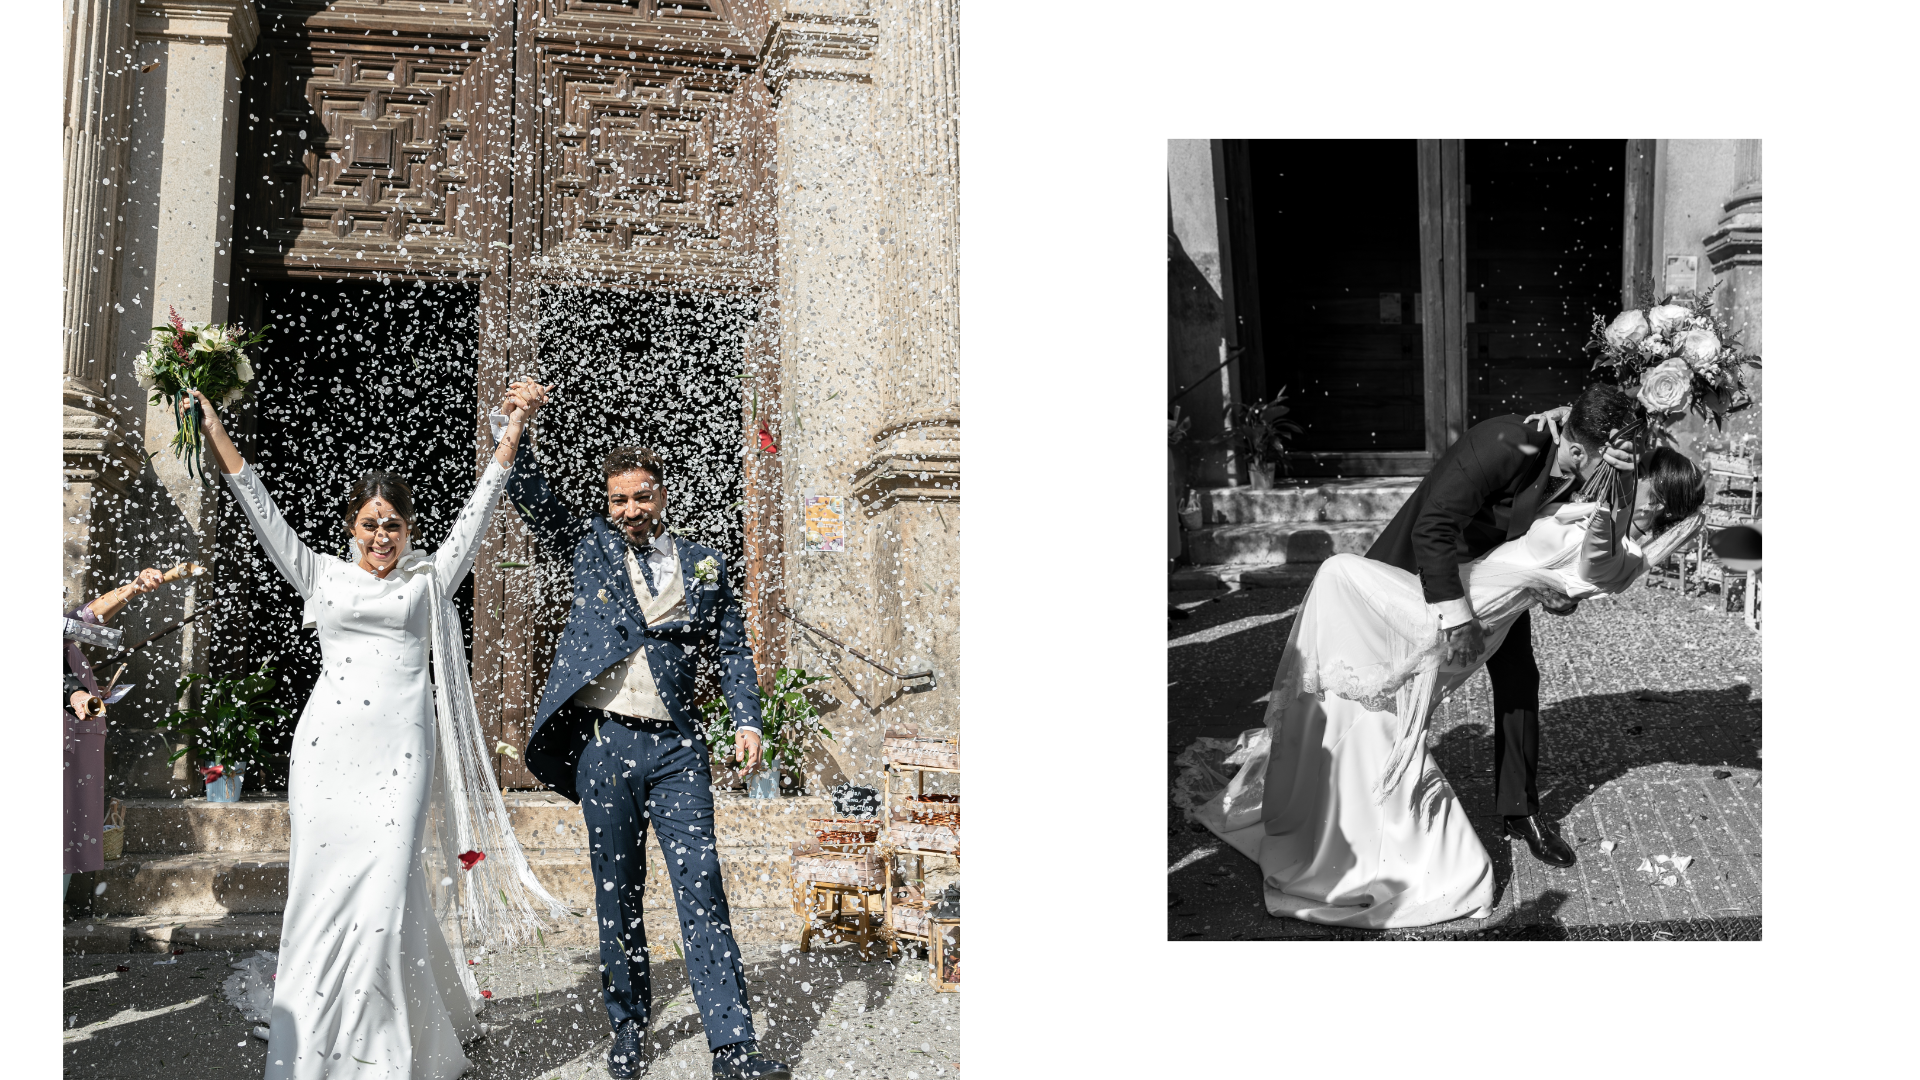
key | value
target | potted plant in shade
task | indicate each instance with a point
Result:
(789, 723)
(223, 728)
(1261, 430)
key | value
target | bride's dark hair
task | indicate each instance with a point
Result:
(380, 484)
(1677, 481)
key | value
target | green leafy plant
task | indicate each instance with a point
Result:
(1261, 428)
(789, 721)
(225, 724)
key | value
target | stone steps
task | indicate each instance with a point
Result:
(195, 871)
(1368, 499)
(1275, 543)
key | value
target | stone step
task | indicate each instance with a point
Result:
(245, 933)
(216, 883)
(1366, 499)
(1273, 544)
(189, 826)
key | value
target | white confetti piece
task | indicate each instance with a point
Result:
(1607, 846)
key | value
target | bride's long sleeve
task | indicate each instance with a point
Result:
(1606, 561)
(293, 558)
(456, 556)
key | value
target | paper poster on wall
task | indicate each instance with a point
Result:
(1683, 273)
(823, 523)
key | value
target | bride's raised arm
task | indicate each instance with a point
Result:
(290, 555)
(456, 556)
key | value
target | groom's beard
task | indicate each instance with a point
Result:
(642, 543)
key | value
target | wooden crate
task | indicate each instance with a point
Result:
(909, 919)
(811, 863)
(944, 938)
(845, 834)
(925, 836)
(915, 751)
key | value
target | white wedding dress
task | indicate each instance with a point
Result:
(1337, 798)
(367, 984)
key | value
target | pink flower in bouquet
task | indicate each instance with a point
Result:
(1668, 318)
(1667, 388)
(1628, 328)
(1699, 346)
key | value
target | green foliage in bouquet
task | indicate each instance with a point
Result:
(1679, 355)
(208, 357)
(789, 721)
(226, 724)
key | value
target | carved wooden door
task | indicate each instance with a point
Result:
(519, 147)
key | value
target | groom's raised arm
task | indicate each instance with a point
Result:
(540, 508)
(1474, 471)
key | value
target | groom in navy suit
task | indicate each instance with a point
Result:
(1487, 489)
(616, 732)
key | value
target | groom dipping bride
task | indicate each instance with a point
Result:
(1337, 799)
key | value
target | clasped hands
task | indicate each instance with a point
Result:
(1620, 455)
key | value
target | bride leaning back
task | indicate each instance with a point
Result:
(397, 822)
(1336, 798)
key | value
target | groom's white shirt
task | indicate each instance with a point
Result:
(1453, 613)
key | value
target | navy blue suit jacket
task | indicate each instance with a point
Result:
(606, 625)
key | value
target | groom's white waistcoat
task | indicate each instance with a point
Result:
(627, 687)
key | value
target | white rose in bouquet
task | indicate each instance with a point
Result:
(143, 370)
(1628, 328)
(1667, 318)
(1667, 388)
(244, 370)
(1699, 346)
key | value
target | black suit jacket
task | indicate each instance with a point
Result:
(1482, 492)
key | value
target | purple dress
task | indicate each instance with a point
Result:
(84, 757)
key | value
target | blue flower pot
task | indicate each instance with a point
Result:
(764, 784)
(225, 789)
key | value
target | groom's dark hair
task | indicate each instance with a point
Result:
(1599, 410)
(625, 459)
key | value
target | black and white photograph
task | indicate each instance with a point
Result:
(1463, 527)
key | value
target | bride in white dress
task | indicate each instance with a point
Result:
(1336, 798)
(389, 793)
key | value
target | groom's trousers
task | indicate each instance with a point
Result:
(1516, 720)
(640, 771)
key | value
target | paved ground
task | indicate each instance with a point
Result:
(1675, 776)
(826, 1011)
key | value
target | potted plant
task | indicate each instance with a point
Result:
(223, 729)
(1261, 430)
(789, 722)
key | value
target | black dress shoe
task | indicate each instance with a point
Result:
(748, 1066)
(628, 1059)
(1545, 844)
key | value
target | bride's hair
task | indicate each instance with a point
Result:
(1677, 481)
(380, 484)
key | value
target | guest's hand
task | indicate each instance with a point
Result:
(1463, 644)
(746, 749)
(148, 581)
(85, 705)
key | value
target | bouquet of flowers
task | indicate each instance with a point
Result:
(1677, 356)
(208, 357)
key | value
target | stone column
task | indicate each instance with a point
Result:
(909, 486)
(100, 463)
(817, 64)
(1733, 251)
(177, 210)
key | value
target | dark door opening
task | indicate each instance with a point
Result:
(1544, 240)
(1337, 239)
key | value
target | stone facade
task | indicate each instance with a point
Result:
(852, 366)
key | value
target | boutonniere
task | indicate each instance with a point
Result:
(707, 570)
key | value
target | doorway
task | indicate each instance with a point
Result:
(1544, 236)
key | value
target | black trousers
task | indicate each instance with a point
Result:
(1516, 720)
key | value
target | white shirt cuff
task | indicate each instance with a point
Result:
(1453, 612)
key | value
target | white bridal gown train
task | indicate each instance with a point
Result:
(1337, 799)
(367, 985)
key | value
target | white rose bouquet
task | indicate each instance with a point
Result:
(1678, 356)
(208, 357)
